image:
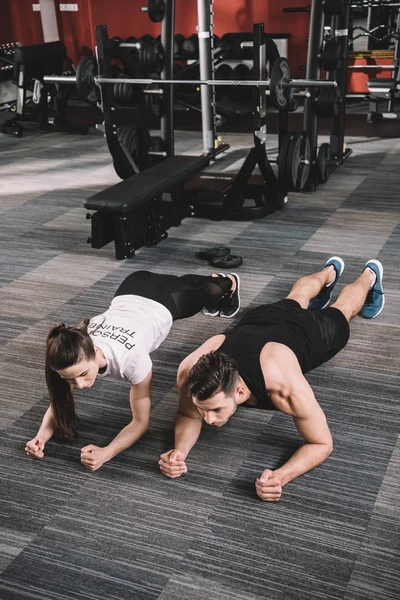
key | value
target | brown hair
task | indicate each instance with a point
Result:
(65, 346)
(214, 372)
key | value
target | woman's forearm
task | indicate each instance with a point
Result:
(47, 427)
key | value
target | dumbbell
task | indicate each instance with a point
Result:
(224, 72)
(241, 73)
(178, 42)
(190, 47)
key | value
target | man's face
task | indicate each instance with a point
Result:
(217, 410)
(83, 374)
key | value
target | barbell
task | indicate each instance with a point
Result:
(280, 84)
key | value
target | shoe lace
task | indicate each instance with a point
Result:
(370, 296)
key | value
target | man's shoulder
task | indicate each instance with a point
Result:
(279, 365)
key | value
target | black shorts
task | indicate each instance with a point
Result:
(314, 335)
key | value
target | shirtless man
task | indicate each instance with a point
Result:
(262, 362)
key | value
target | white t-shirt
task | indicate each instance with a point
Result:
(127, 333)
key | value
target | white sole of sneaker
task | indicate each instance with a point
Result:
(238, 292)
(378, 263)
(341, 262)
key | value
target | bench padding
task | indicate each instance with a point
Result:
(381, 82)
(138, 190)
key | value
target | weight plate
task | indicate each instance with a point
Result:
(85, 73)
(335, 7)
(282, 159)
(280, 96)
(154, 102)
(227, 262)
(324, 157)
(210, 253)
(151, 56)
(298, 162)
(330, 56)
(294, 103)
(156, 145)
(123, 93)
(329, 101)
(128, 138)
(156, 10)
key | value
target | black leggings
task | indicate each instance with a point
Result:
(183, 296)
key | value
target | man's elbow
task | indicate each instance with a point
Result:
(329, 448)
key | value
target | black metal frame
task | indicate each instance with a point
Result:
(340, 26)
(114, 115)
(227, 200)
(41, 58)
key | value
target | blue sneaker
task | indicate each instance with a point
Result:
(375, 300)
(324, 297)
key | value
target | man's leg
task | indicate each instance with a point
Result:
(308, 287)
(364, 293)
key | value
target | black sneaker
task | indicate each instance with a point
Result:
(213, 311)
(230, 303)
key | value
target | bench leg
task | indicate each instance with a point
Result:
(125, 245)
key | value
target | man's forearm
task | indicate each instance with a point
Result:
(307, 457)
(47, 427)
(127, 437)
(187, 431)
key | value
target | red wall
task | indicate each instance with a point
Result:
(6, 31)
(124, 18)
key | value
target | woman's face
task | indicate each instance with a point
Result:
(83, 374)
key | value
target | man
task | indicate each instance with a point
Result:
(262, 362)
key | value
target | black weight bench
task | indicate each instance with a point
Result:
(132, 212)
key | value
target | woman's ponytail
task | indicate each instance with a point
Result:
(65, 347)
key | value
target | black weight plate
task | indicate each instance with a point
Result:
(227, 262)
(128, 138)
(154, 102)
(151, 56)
(298, 162)
(282, 159)
(335, 7)
(328, 102)
(210, 253)
(156, 10)
(280, 96)
(330, 56)
(324, 157)
(294, 103)
(156, 145)
(85, 73)
(123, 93)
(272, 52)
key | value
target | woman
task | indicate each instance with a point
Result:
(118, 344)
